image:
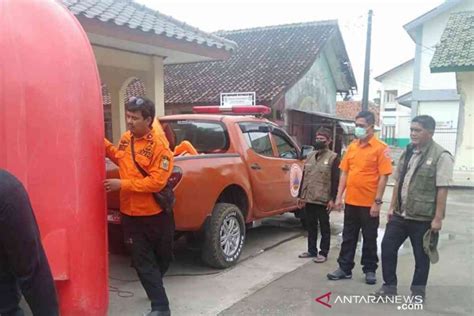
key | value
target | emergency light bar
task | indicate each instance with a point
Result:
(235, 109)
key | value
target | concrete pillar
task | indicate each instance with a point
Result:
(464, 164)
(154, 84)
(117, 69)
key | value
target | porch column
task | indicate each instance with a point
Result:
(154, 84)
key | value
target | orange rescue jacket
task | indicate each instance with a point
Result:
(152, 153)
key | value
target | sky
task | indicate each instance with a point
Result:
(391, 45)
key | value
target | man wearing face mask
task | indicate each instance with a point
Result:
(365, 170)
(318, 192)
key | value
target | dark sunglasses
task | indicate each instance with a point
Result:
(136, 100)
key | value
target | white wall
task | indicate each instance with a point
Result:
(465, 156)
(432, 31)
(400, 119)
(446, 114)
(403, 126)
(400, 80)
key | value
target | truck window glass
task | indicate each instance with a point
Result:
(285, 148)
(257, 137)
(206, 137)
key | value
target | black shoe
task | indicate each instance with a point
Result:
(418, 298)
(339, 275)
(370, 278)
(385, 291)
(306, 255)
(159, 313)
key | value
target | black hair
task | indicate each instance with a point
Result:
(368, 116)
(143, 105)
(426, 121)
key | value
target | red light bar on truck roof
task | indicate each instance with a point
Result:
(235, 110)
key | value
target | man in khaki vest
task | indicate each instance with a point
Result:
(418, 204)
(317, 192)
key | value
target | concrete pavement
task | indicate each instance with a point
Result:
(450, 290)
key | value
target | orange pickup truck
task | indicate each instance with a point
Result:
(247, 168)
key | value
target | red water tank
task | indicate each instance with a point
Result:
(51, 133)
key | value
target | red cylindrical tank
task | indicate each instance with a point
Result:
(51, 133)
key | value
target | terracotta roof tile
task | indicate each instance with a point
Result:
(349, 109)
(268, 60)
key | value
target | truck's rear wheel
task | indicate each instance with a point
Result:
(224, 236)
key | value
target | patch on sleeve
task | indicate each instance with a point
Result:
(165, 163)
(387, 153)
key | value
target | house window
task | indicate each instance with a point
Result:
(390, 96)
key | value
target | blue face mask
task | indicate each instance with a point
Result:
(360, 132)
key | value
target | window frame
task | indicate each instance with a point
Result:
(220, 123)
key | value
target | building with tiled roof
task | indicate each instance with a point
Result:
(348, 110)
(433, 93)
(269, 61)
(133, 42)
(294, 67)
(455, 53)
(396, 87)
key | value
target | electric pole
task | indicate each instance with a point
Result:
(365, 93)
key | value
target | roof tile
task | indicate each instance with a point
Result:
(268, 60)
(136, 16)
(456, 47)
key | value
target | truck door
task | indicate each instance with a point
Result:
(263, 166)
(290, 171)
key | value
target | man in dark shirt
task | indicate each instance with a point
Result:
(318, 192)
(23, 263)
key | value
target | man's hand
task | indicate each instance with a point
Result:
(112, 185)
(375, 210)
(436, 224)
(330, 206)
(338, 204)
(300, 204)
(389, 214)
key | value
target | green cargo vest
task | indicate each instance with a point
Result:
(316, 187)
(421, 199)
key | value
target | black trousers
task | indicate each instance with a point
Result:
(314, 214)
(23, 265)
(355, 219)
(151, 242)
(397, 231)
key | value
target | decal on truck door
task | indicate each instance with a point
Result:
(295, 179)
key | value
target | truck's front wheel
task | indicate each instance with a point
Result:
(224, 236)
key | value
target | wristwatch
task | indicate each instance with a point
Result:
(378, 201)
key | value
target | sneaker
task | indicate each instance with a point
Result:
(320, 259)
(339, 275)
(370, 278)
(385, 291)
(306, 255)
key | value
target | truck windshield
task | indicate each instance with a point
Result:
(207, 137)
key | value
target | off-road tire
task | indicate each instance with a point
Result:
(212, 252)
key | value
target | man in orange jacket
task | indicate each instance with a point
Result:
(147, 228)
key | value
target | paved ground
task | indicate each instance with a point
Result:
(271, 280)
(195, 289)
(451, 280)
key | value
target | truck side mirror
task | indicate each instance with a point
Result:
(305, 150)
